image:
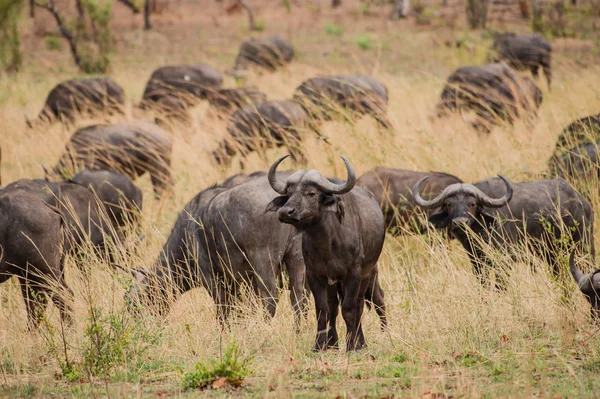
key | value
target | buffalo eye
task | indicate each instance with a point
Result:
(311, 194)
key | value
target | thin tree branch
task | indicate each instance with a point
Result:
(127, 3)
(147, 25)
(64, 31)
(246, 7)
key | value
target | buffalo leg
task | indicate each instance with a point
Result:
(375, 295)
(297, 274)
(36, 302)
(160, 176)
(267, 290)
(548, 73)
(333, 301)
(319, 291)
(535, 69)
(352, 308)
(58, 298)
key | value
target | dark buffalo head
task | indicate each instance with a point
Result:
(461, 205)
(589, 284)
(307, 194)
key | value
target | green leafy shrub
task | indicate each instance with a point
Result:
(364, 41)
(11, 57)
(260, 25)
(53, 42)
(232, 367)
(334, 29)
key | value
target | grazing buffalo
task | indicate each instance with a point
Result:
(120, 197)
(581, 163)
(229, 100)
(550, 212)
(343, 231)
(494, 92)
(188, 83)
(326, 95)
(30, 248)
(525, 52)
(222, 240)
(83, 215)
(170, 108)
(589, 284)
(257, 127)
(582, 131)
(132, 149)
(91, 95)
(392, 188)
(270, 53)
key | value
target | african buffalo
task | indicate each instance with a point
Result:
(30, 248)
(589, 284)
(392, 188)
(581, 131)
(343, 231)
(222, 240)
(83, 215)
(324, 96)
(91, 95)
(580, 163)
(257, 127)
(525, 52)
(120, 197)
(269, 53)
(188, 83)
(504, 214)
(494, 92)
(132, 149)
(229, 100)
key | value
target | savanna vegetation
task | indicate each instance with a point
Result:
(448, 336)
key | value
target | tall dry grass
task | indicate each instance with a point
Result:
(439, 313)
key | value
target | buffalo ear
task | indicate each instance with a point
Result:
(277, 203)
(341, 210)
(328, 203)
(487, 219)
(439, 219)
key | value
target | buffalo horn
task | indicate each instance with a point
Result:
(332, 188)
(423, 202)
(276, 185)
(578, 275)
(498, 202)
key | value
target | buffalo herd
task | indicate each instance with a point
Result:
(321, 235)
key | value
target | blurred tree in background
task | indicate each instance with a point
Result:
(10, 51)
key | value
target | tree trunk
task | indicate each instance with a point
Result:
(524, 9)
(477, 13)
(246, 7)
(32, 8)
(401, 9)
(127, 3)
(537, 16)
(147, 25)
(64, 31)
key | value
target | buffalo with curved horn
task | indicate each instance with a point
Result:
(343, 231)
(589, 284)
(504, 213)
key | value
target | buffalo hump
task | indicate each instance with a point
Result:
(91, 95)
(132, 149)
(183, 81)
(269, 53)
